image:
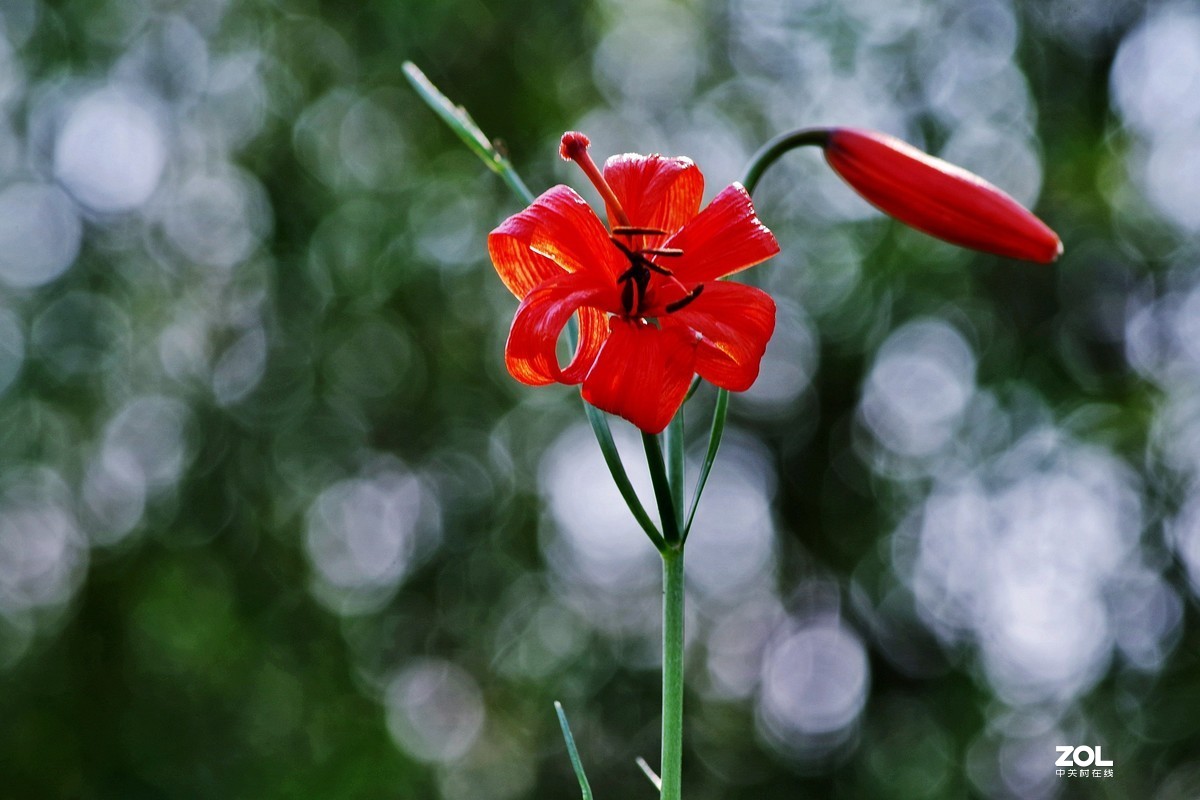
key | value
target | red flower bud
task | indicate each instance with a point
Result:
(937, 197)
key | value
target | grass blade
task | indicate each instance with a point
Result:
(584, 787)
(461, 123)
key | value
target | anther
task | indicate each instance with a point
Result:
(683, 301)
(638, 257)
(627, 230)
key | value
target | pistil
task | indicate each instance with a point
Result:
(574, 147)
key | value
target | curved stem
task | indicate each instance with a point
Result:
(672, 681)
(770, 152)
(760, 162)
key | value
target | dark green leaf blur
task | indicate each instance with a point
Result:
(276, 523)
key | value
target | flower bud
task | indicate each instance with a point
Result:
(937, 197)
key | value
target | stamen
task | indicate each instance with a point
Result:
(639, 256)
(627, 296)
(625, 230)
(628, 274)
(680, 303)
(630, 254)
(574, 147)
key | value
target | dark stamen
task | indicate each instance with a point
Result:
(629, 253)
(683, 301)
(629, 230)
(636, 280)
(627, 298)
(637, 259)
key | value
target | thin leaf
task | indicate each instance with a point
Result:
(584, 787)
(461, 123)
(714, 444)
(613, 459)
(649, 771)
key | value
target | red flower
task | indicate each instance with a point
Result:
(937, 197)
(652, 312)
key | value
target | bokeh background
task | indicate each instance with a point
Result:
(275, 522)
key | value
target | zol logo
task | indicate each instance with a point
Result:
(1082, 762)
(1082, 756)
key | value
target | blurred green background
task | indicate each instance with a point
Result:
(275, 522)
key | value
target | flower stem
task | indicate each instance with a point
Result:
(672, 676)
(663, 493)
(673, 444)
(770, 152)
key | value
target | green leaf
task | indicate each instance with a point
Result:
(714, 444)
(461, 123)
(613, 459)
(584, 787)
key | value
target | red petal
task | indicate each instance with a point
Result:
(736, 322)
(558, 232)
(531, 353)
(937, 197)
(643, 373)
(724, 238)
(656, 192)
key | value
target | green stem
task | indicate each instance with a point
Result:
(673, 444)
(672, 678)
(770, 152)
(663, 492)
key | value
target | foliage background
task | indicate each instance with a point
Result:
(274, 522)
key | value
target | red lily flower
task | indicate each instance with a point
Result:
(937, 197)
(652, 310)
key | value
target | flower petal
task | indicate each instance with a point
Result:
(642, 373)
(724, 238)
(937, 197)
(655, 191)
(531, 353)
(558, 232)
(736, 322)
